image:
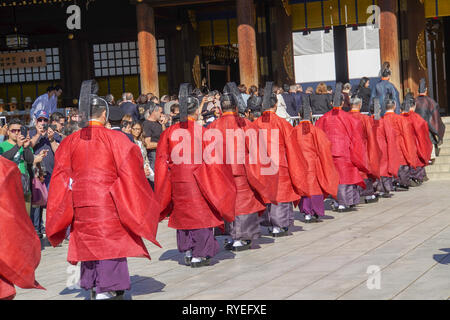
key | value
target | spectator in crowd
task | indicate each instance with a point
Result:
(164, 99)
(253, 91)
(43, 139)
(43, 103)
(168, 105)
(70, 128)
(109, 98)
(154, 99)
(299, 96)
(291, 104)
(174, 111)
(137, 132)
(129, 107)
(74, 116)
(2, 106)
(281, 105)
(321, 101)
(141, 103)
(243, 90)
(54, 101)
(13, 104)
(57, 122)
(309, 90)
(126, 123)
(27, 104)
(115, 120)
(17, 148)
(153, 126)
(363, 92)
(346, 93)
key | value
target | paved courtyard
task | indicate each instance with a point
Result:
(406, 239)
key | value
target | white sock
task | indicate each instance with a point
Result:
(276, 230)
(104, 295)
(369, 198)
(374, 196)
(307, 217)
(196, 259)
(342, 207)
(238, 243)
(188, 254)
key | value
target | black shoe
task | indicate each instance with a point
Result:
(246, 246)
(413, 183)
(204, 262)
(371, 200)
(187, 260)
(315, 219)
(387, 195)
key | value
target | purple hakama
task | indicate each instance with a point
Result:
(280, 215)
(403, 175)
(313, 205)
(244, 227)
(105, 275)
(369, 190)
(384, 184)
(348, 195)
(419, 173)
(201, 242)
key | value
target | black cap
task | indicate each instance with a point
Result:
(115, 114)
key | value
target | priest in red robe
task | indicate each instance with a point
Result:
(371, 149)
(321, 174)
(423, 142)
(245, 228)
(197, 195)
(20, 248)
(275, 174)
(347, 148)
(406, 144)
(389, 153)
(99, 188)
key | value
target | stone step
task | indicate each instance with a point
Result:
(445, 151)
(442, 160)
(439, 168)
(438, 176)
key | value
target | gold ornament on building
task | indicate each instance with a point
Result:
(287, 7)
(196, 72)
(192, 19)
(420, 50)
(288, 61)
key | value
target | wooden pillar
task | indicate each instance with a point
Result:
(413, 49)
(248, 59)
(147, 48)
(282, 44)
(340, 54)
(389, 40)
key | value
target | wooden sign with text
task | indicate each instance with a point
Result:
(17, 60)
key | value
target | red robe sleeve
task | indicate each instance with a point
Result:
(424, 145)
(136, 204)
(373, 150)
(358, 155)
(20, 248)
(408, 144)
(60, 203)
(327, 175)
(163, 187)
(393, 152)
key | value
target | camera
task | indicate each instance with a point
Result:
(24, 131)
(2, 121)
(45, 126)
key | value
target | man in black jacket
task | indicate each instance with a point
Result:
(291, 105)
(128, 107)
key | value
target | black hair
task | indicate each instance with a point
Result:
(56, 116)
(57, 87)
(97, 107)
(174, 106)
(227, 102)
(192, 105)
(15, 121)
(50, 89)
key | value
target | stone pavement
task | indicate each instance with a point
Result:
(406, 237)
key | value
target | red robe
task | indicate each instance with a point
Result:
(109, 204)
(405, 138)
(277, 186)
(389, 148)
(321, 174)
(247, 199)
(423, 142)
(20, 248)
(347, 146)
(370, 144)
(195, 194)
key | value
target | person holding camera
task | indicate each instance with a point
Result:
(57, 123)
(43, 140)
(154, 124)
(17, 148)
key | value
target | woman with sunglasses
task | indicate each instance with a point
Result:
(137, 133)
